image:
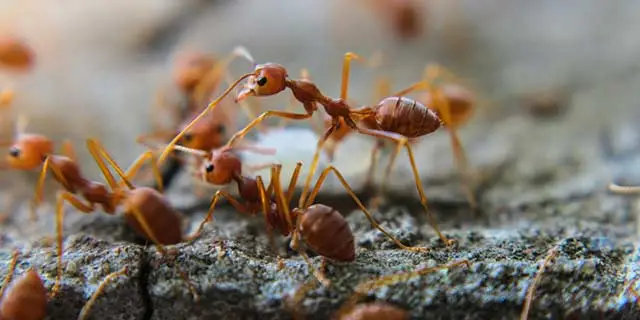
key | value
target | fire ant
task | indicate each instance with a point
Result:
(27, 297)
(373, 310)
(145, 209)
(322, 228)
(397, 118)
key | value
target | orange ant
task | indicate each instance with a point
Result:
(15, 54)
(27, 297)
(145, 209)
(397, 118)
(374, 310)
(322, 228)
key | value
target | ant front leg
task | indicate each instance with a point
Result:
(110, 277)
(77, 203)
(403, 141)
(214, 201)
(366, 212)
(275, 113)
(37, 198)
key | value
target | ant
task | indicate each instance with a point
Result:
(378, 309)
(146, 210)
(397, 118)
(322, 228)
(15, 54)
(27, 297)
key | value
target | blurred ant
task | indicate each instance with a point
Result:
(197, 75)
(373, 310)
(396, 118)
(146, 210)
(405, 17)
(26, 298)
(322, 228)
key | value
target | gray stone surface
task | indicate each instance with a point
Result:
(541, 183)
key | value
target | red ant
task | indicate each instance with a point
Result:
(322, 228)
(397, 118)
(26, 298)
(378, 309)
(146, 210)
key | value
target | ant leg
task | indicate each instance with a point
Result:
(12, 269)
(7, 96)
(314, 165)
(532, 288)
(76, 202)
(212, 78)
(367, 286)
(623, 190)
(134, 168)
(346, 69)
(69, 151)
(402, 141)
(265, 201)
(214, 201)
(366, 212)
(293, 182)
(110, 277)
(161, 248)
(240, 134)
(37, 198)
(374, 162)
(96, 150)
(209, 108)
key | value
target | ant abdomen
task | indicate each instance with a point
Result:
(25, 299)
(163, 220)
(405, 116)
(326, 232)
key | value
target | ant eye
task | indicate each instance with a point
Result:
(220, 129)
(209, 168)
(14, 152)
(188, 137)
(262, 81)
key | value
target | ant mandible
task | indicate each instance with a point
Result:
(321, 227)
(397, 118)
(26, 298)
(373, 310)
(145, 209)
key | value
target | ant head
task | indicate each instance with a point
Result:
(15, 53)
(204, 135)
(268, 79)
(190, 68)
(222, 167)
(29, 152)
